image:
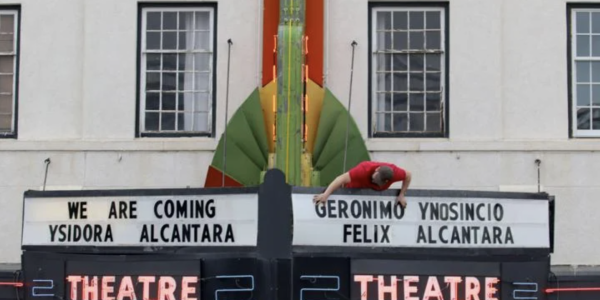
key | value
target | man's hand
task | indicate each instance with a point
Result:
(401, 200)
(320, 199)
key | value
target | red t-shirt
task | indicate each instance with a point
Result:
(361, 176)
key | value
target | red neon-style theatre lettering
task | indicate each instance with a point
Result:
(387, 287)
(105, 287)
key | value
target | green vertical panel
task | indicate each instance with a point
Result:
(288, 142)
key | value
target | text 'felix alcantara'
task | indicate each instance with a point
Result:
(362, 209)
(448, 233)
(163, 232)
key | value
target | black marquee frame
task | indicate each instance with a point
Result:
(281, 270)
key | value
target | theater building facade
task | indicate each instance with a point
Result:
(178, 134)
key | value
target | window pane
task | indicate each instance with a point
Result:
(6, 122)
(6, 42)
(169, 20)
(583, 94)
(153, 40)
(433, 62)
(416, 82)
(152, 81)
(596, 22)
(152, 61)
(595, 45)
(186, 101)
(186, 21)
(202, 62)
(433, 102)
(6, 84)
(400, 82)
(383, 62)
(185, 62)
(595, 71)
(400, 62)
(583, 118)
(180, 101)
(202, 40)
(384, 102)
(583, 45)
(433, 82)
(168, 101)
(202, 21)
(153, 21)
(583, 22)
(202, 102)
(6, 64)
(188, 121)
(384, 20)
(168, 81)
(384, 122)
(432, 20)
(433, 122)
(400, 101)
(416, 20)
(583, 71)
(596, 118)
(384, 82)
(416, 40)
(201, 122)
(595, 94)
(433, 40)
(180, 121)
(400, 20)
(7, 23)
(202, 82)
(169, 40)
(416, 102)
(168, 121)
(181, 81)
(400, 122)
(384, 40)
(6, 103)
(400, 41)
(169, 62)
(417, 61)
(152, 101)
(416, 121)
(182, 43)
(151, 121)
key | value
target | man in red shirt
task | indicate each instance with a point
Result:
(370, 174)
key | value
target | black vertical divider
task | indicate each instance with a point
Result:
(274, 245)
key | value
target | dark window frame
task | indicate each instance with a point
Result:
(138, 117)
(15, 132)
(446, 103)
(573, 134)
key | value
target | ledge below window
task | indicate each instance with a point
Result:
(154, 144)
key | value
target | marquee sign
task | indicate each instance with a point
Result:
(181, 220)
(434, 222)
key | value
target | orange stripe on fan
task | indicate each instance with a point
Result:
(270, 22)
(314, 30)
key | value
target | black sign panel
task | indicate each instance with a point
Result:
(157, 277)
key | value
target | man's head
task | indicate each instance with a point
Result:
(382, 175)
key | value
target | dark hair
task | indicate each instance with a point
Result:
(385, 173)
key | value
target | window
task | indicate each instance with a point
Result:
(408, 71)
(8, 71)
(177, 71)
(585, 75)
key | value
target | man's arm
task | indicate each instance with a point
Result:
(334, 185)
(405, 184)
